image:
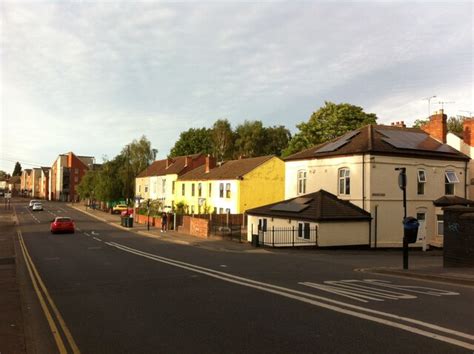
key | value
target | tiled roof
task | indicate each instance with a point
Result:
(371, 139)
(320, 206)
(158, 168)
(233, 169)
(452, 200)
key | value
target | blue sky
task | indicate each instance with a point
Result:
(90, 77)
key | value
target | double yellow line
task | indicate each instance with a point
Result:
(48, 305)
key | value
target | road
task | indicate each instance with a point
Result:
(111, 291)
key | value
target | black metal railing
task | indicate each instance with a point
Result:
(288, 237)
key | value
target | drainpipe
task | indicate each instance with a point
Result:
(465, 179)
(375, 225)
(363, 181)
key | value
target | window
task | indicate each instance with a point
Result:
(303, 230)
(76, 171)
(450, 178)
(182, 189)
(192, 209)
(163, 186)
(172, 187)
(139, 189)
(146, 189)
(76, 179)
(227, 211)
(421, 182)
(192, 190)
(440, 223)
(227, 190)
(210, 189)
(154, 187)
(199, 189)
(262, 224)
(344, 181)
(301, 184)
(221, 190)
(221, 210)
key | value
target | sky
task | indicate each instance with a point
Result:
(91, 76)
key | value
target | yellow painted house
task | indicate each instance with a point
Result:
(233, 186)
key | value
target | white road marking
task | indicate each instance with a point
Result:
(85, 233)
(223, 266)
(97, 239)
(95, 233)
(78, 229)
(308, 298)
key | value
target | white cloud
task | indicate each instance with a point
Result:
(92, 76)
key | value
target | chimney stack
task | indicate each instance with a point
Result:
(400, 124)
(187, 161)
(468, 131)
(210, 163)
(437, 126)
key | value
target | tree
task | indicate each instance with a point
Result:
(134, 158)
(250, 139)
(276, 140)
(17, 169)
(222, 139)
(329, 122)
(193, 141)
(86, 188)
(4, 175)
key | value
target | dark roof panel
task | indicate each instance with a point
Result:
(319, 206)
(382, 139)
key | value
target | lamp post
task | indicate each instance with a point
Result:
(148, 215)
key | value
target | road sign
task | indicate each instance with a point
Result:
(8, 195)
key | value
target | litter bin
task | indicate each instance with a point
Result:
(410, 229)
(122, 221)
(255, 240)
(130, 221)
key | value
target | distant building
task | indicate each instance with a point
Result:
(65, 174)
(26, 183)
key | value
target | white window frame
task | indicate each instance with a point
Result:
(304, 230)
(421, 182)
(345, 178)
(301, 182)
(450, 178)
(163, 186)
(439, 222)
(228, 190)
(221, 191)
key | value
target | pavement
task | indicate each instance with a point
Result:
(12, 333)
(429, 265)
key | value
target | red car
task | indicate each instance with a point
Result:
(62, 224)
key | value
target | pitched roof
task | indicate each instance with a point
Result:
(317, 206)
(382, 140)
(14, 179)
(452, 200)
(233, 169)
(158, 168)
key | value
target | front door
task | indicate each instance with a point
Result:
(422, 229)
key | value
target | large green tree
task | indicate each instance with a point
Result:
(4, 175)
(328, 122)
(134, 158)
(17, 169)
(222, 139)
(249, 139)
(193, 141)
(276, 140)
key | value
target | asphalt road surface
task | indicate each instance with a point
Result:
(104, 290)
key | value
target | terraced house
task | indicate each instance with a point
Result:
(157, 182)
(359, 167)
(232, 186)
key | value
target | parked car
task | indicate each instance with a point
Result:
(62, 224)
(33, 201)
(37, 206)
(119, 208)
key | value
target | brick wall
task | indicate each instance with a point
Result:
(437, 126)
(468, 131)
(199, 228)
